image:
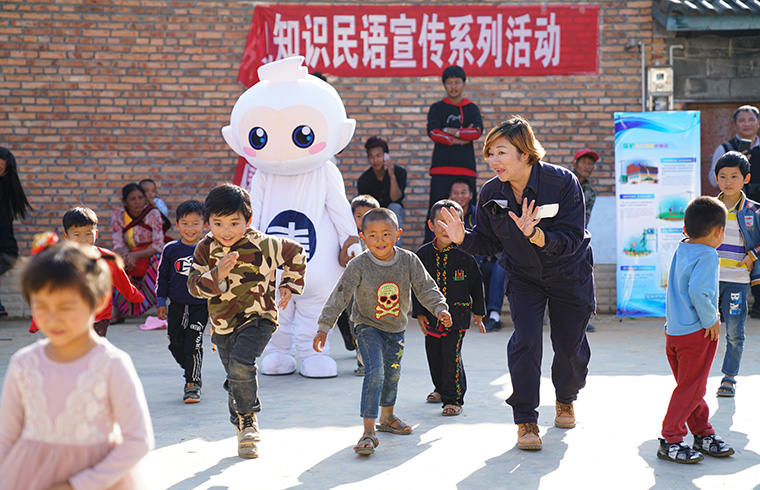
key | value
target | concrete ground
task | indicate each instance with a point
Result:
(310, 426)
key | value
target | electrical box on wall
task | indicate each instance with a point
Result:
(660, 88)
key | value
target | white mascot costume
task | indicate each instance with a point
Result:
(288, 126)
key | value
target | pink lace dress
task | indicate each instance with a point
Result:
(85, 422)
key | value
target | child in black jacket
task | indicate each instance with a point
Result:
(458, 277)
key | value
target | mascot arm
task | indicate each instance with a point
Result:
(258, 186)
(339, 209)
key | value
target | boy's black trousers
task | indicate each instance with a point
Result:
(186, 326)
(444, 356)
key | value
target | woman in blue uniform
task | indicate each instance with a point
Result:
(533, 212)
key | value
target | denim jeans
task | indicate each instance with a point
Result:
(238, 352)
(398, 210)
(495, 280)
(733, 308)
(381, 353)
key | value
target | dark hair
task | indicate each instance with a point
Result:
(461, 181)
(518, 132)
(319, 75)
(129, 189)
(68, 264)
(376, 142)
(748, 108)
(13, 202)
(79, 216)
(453, 72)
(145, 181)
(702, 215)
(379, 214)
(189, 207)
(364, 200)
(227, 199)
(733, 159)
(445, 203)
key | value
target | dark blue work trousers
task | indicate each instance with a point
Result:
(571, 303)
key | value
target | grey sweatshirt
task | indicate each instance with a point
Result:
(381, 291)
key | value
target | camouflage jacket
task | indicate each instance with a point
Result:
(249, 289)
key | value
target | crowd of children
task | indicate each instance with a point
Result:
(229, 277)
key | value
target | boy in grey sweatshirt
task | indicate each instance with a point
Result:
(381, 280)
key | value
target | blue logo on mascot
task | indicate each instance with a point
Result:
(296, 226)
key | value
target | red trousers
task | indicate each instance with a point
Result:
(690, 357)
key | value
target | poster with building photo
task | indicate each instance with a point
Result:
(657, 164)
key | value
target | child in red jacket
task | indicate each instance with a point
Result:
(80, 225)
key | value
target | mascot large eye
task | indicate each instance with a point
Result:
(258, 138)
(303, 136)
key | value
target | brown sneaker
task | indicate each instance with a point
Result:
(565, 418)
(528, 438)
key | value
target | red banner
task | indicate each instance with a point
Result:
(420, 40)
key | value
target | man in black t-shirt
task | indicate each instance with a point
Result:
(454, 123)
(383, 180)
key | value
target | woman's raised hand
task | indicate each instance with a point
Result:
(528, 221)
(453, 225)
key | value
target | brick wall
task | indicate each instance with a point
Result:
(97, 94)
(100, 94)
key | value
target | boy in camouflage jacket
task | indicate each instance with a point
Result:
(235, 267)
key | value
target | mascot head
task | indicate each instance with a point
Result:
(290, 122)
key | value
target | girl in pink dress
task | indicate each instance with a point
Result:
(73, 413)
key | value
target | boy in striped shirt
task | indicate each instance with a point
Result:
(738, 252)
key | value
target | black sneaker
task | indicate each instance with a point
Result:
(492, 325)
(712, 445)
(192, 393)
(678, 452)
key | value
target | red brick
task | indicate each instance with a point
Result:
(113, 91)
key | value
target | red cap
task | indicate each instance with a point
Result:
(586, 152)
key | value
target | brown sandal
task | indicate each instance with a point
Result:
(451, 410)
(366, 448)
(400, 427)
(434, 397)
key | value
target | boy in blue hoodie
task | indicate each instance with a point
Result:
(692, 328)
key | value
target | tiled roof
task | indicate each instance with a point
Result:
(707, 15)
(708, 7)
